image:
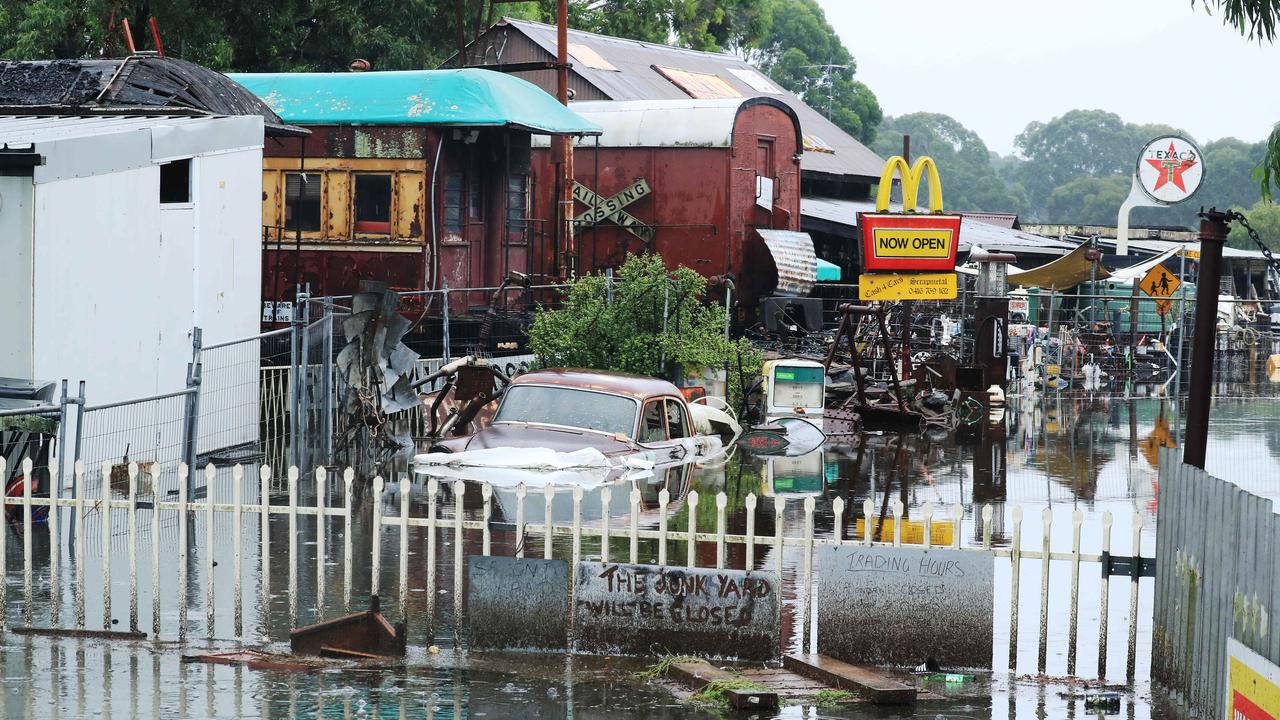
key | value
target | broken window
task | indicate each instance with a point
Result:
(676, 421)
(453, 202)
(372, 203)
(517, 203)
(302, 201)
(175, 182)
(652, 428)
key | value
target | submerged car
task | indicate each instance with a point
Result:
(568, 410)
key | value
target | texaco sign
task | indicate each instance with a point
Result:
(1170, 169)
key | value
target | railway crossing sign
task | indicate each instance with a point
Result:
(611, 208)
(1159, 282)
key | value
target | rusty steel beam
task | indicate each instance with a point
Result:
(1213, 235)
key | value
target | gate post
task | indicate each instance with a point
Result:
(326, 382)
(304, 382)
(191, 410)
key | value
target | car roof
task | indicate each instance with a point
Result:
(636, 386)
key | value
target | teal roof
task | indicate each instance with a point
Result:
(828, 271)
(467, 98)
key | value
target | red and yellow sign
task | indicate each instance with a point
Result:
(907, 240)
(1253, 685)
(907, 286)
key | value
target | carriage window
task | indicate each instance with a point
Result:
(517, 202)
(652, 428)
(373, 203)
(302, 201)
(453, 202)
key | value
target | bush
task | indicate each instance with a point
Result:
(627, 334)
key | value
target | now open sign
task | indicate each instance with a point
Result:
(893, 241)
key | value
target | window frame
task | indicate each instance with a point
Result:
(356, 230)
(320, 177)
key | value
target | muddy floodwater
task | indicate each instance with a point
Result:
(1090, 452)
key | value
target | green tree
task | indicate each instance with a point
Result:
(1081, 143)
(1256, 20)
(1087, 200)
(1264, 217)
(802, 53)
(968, 179)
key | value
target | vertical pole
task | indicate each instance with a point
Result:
(444, 320)
(1015, 574)
(304, 385)
(375, 566)
(237, 518)
(133, 547)
(605, 497)
(62, 452)
(191, 426)
(28, 578)
(459, 564)
(521, 491)
(264, 507)
(326, 422)
(348, 476)
(1182, 316)
(404, 545)
(294, 382)
(563, 155)
(155, 551)
(634, 554)
(322, 528)
(691, 550)
(1213, 234)
(105, 502)
(209, 607)
(1104, 600)
(77, 532)
(664, 498)
(293, 547)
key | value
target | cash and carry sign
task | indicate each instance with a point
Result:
(1253, 685)
(909, 241)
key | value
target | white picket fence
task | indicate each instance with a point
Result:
(440, 523)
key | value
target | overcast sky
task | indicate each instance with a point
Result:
(996, 65)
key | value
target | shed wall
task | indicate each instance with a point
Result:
(16, 196)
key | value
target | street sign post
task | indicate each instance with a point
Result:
(1170, 169)
(1159, 282)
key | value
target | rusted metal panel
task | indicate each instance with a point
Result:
(336, 271)
(362, 632)
(272, 198)
(517, 603)
(901, 606)
(387, 142)
(644, 609)
(409, 195)
(335, 205)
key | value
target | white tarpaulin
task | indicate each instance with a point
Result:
(534, 467)
(1137, 272)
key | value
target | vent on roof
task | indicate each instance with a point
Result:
(589, 57)
(758, 82)
(698, 85)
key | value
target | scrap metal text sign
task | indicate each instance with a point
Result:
(911, 241)
(611, 208)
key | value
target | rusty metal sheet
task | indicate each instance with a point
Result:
(901, 606)
(517, 603)
(794, 257)
(648, 609)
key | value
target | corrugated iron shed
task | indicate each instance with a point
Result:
(622, 69)
(466, 98)
(127, 86)
(666, 123)
(972, 231)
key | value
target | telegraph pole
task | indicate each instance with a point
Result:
(563, 155)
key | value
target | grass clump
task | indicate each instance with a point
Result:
(660, 668)
(713, 694)
(829, 697)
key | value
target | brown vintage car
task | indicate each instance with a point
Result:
(567, 410)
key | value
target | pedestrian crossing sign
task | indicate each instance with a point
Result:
(1159, 282)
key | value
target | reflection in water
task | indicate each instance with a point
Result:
(1089, 452)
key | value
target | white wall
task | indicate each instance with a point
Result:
(120, 279)
(16, 197)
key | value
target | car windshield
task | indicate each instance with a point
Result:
(569, 407)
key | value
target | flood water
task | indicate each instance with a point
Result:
(1088, 452)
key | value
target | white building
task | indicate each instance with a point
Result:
(117, 236)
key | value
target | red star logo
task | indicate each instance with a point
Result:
(1171, 169)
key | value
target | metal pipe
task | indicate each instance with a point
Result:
(1213, 234)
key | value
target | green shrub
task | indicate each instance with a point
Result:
(628, 335)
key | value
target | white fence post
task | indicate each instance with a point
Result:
(348, 476)
(1046, 522)
(322, 528)
(293, 545)
(105, 504)
(155, 550)
(183, 521)
(133, 547)
(1104, 596)
(237, 532)
(209, 608)
(605, 496)
(664, 499)
(375, 564)
(691, 554)
(404, 545)
(1015, 568)
(1077, 519)
(264, 524)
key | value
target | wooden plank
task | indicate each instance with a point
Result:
(78, 633)
(868, 683)
(699, 673)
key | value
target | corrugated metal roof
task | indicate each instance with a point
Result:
(635, 79)
(19, 131)
(972, 231)
(1004, 220)
(662, 123)
(137, 84)
(468, 98)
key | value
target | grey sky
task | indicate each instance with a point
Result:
(996, 65)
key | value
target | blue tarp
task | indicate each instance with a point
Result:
(467, 98)
(829, 272)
